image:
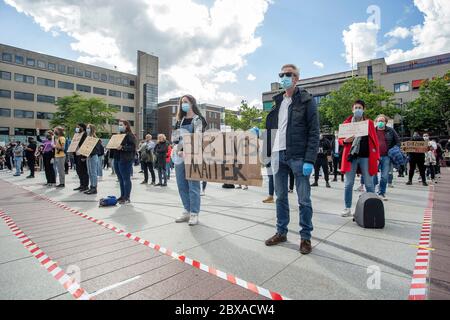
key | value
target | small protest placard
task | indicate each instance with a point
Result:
(115, 141)
(354, 129)
(88, 145)
(75, 142)
(230, 158)
(415, 146)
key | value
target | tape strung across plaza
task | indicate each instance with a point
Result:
(231, 158)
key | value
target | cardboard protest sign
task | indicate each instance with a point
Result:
(88, 145)
(115, 141)
(415, 146)
(354, 129)
(230, 158)
(75, 142)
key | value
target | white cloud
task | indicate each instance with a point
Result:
(399, 32)
(319, 64)
(361, 40)
(430, 38)
(251, 77)
(200, 47)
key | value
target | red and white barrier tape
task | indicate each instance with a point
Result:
(51, 266)
(194, 263)
(418, 289)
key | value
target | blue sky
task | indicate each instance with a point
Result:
(289, 31)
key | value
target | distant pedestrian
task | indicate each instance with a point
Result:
(161, 150)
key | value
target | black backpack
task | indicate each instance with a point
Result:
(369, 212)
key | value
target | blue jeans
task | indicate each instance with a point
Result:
(168, 170)
(123, 171)
(350, 179)
(92, 166)
(100, 166)
(384, 167)
(189, 190)
(303, 194)
(18, 164)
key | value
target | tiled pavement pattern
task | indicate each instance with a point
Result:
(230, 237)
(440, 240)
(127, 269)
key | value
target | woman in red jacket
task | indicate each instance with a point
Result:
(360, 152)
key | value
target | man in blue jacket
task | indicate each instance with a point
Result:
(296, 122)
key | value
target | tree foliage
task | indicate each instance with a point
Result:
(431, 111)
(337, 106)
(248, 118)
(74, 109)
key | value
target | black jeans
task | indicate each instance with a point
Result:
(336, 165)
(81, 167)
(291, 179)
(419, 161)
(31, 165)
(321, 162)
(48, 167)
(148, 166)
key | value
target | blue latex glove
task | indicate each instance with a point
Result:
(307, 169)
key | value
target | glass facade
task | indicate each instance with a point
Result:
(4, 75)
(83, 88)
(23, 96)
(5, 94)
(65, 85)
(46, 82)
(45, 99)
(4, 112)
(401, 87)
(44, 115)
(150, 114)
(23, 114)
(100, 91)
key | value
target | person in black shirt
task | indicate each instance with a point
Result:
(322, 161)
(30, 155)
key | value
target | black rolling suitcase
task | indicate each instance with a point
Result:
(369, 211)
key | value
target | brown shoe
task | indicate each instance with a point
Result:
(305, 247)
(276, 239)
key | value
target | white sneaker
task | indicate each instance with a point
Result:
(185, 217)
(347, 212)
(360, 188)
(193, 220)
(202, 193)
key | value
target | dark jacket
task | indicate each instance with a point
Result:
(161, 154)
(128, 148)
(324, 148)
(97, 149)
(392, 138)
(302, 133)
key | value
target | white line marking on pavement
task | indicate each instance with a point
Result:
(96, 293)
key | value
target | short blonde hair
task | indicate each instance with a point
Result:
(162, 137)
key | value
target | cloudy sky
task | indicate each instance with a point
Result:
(224, 51)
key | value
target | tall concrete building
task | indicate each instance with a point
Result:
(167, 113)
(403, 79)
(31, 83)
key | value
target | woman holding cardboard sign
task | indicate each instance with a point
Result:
(92, 161)
(362, 152)
(190, 120)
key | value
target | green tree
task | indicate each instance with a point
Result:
(248, 118)
(337, 106)
(75, 109)
(431, 111)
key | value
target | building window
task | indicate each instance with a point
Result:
(104, 77)
(44, 115)
(70, 70)
(416, 84)
(23, 96)
(5, 94)
(19, 59)
(174, 109)
(83, 88)
(41, 64)
(319, 98)
(31, 62)
(118, 80)
(132, 83)
(51, 66)
(61, 68)
(4, 75)
(45, 99)
(23, 78)
(23, 114)
(127, 95)
(80, 73)
(96, 76)
(101, 91)
(128, 109)
(114, 93)
(4, 131)
(401, 87)
(7, 57)
(24, 132)
(125, 82)
(46, 82)
(4, 112)
(111, 79)
(131, 123)
(370, 73)
(88, 74)
(115, 106)
(65, 85)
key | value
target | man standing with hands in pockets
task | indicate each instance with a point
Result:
(296, 122)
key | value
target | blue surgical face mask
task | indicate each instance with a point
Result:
(88, 131)
(121, 129)
(286, 82)
(185, 107)
(77, 130)
(358, 113)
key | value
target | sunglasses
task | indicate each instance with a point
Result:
(286, 74)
